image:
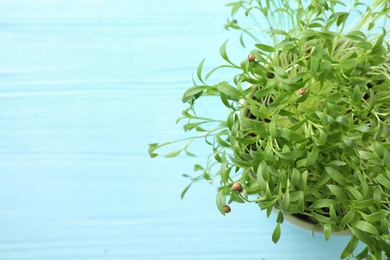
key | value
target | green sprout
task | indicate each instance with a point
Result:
(307, 130)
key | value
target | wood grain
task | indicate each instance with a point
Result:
(84, 87)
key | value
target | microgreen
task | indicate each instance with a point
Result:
(307, 128)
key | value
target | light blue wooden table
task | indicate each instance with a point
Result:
(85, 85)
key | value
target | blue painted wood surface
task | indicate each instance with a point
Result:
(84, 87)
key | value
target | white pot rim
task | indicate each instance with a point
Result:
(311, 227)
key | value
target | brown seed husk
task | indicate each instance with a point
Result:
(237, 187)
(251, 57)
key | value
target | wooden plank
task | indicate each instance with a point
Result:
(84, 87)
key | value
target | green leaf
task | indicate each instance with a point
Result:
(357, 95)
(362, 236)
(231, 119)
(378, 196)
(175, 153)
(379, 42)
(336, 175)
(348, 64)
(385, 246)
(363, 254)
(217, 68)
(276, 233)
(253, 187)
(337, 163)
(322, 203)
(288, 156)
(285, 204)
(292, 48)
(259, 128)
(199, 71)
(303, 97)
(325, 66)
(221, 201)
(320, 218)
(245, 64)
(259, 113)
(309, 34)
(262, 172)
(371, 101)
(293, 135)
(190, 126)
(267, 204)
(324, 178)
(313, 117)
(268, 194)
(355, 193)
(327, 230)
(379, 149)
(236, 198)
(246, 140)
(374, 217)
(335, 110)
(363, 204)
(349, 143)
(193, 91)
(239, 163)
(301, 201)
(284, 45)
(287, 113)
(351, 246)
(188, 153)
(225, 100)
(281, 99)
(224, 171)
(356, 35)
(263, 92)
(367, 227)
(297, 125)
(314, 64)
(348, 218)
(327, 35)
(383, 181)
(185, 191)
(385, 226)
(363, 182)
(315, 25)
(222, 142)
(152, 148)
(304, 176)
(235, 6)
(280, 72)
(222, 52)
(228, 89)
(295, 177)
(280, 32)
(342, 18)
(265, 47)
(321, 138)
(312, 157)
(338, 192)
(275, 133)
(280, 218)
(364, 45)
